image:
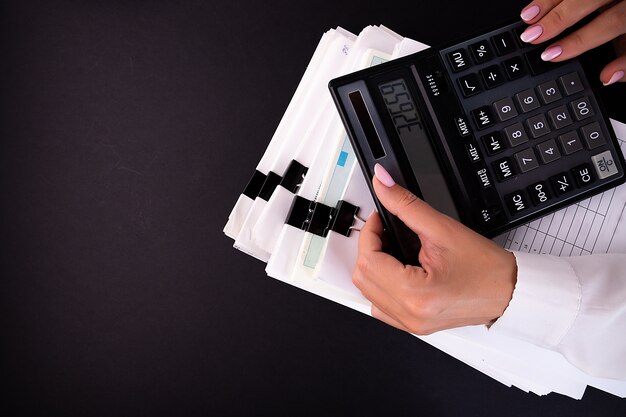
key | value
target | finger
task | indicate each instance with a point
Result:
(377, 274)
(370, 237)
(602, 29)
(378, 278)
(379, 314)
(414, 212)
(560, 17)
(372, 262)
(537, 9)
(614, 71)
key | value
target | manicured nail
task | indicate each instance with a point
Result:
(551, 53)
(615, 78)
(383, 176)
(531, 33)
(529, 13)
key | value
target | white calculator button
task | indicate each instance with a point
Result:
(604, 164)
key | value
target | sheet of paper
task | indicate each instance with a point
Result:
(373, 45)
(330, 66)
(244, 203)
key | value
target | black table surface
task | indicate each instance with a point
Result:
(128, 130)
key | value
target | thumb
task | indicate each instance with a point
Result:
(413, 211)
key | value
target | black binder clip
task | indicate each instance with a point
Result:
(319, 219)
(300, 212)
(344, 218)
(271, 182)
(292, 180)
(255, 184)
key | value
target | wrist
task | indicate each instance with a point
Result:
(504, 277)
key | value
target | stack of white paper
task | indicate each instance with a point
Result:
(310, 141)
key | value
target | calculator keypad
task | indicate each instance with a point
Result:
(532, 136)
(527, 100)
(492, 76)
(515, 68)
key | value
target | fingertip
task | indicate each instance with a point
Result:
(373, 222)
(370, 235)
(614, 72)
(617, 76)
(530, 12)
(531, 33)
(383, 176)
(551, 53)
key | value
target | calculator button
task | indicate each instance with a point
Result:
(539, 193)
(549, 92)
(483, 177)
(527, 100)
(473, 152)
(470, 85)
(493, 143)
(504, 43)
(518, 36)
(593, 135)
(604, 164)
(503, 169)
(570, 143)
(548, 152)
(526, 160)
(516, 202)
(515, 68)
(560, 117)
(571, 83)
(458, 60)
(505, 109)
(462, 126)
(561, 183)
(582, 108)
(481, 52)
(483, 117)
(515, 134)
(536, 64)
(492, 76)
(538, 126)
(583, 175)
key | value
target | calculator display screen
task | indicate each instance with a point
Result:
(414, 138)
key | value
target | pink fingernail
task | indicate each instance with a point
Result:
(551, 53)
(531, 33)
(383, 176)
(530, 13)
(615, 78)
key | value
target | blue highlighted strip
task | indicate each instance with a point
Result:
(343, 157)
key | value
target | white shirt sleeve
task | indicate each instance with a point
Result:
(576, 306)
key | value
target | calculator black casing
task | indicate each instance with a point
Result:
(436, 92)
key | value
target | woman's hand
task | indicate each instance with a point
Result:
(464, 278)
(548, 18)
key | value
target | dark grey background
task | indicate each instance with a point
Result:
(127, 131)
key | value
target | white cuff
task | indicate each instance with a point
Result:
(545, 302)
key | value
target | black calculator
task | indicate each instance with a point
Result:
(483, 130)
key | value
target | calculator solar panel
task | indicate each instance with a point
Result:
(483, 130)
